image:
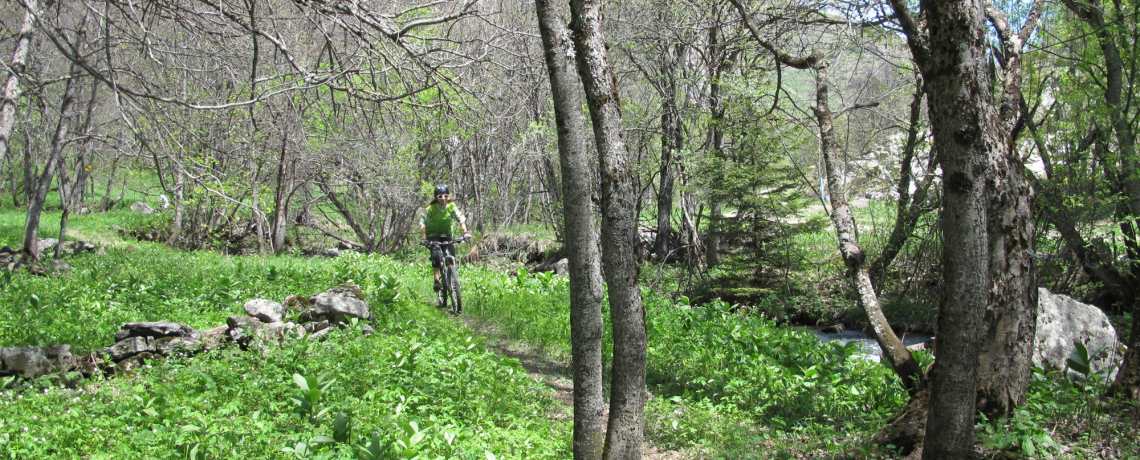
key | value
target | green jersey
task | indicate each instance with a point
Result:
(437, 221)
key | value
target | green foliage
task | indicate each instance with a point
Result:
(1064, 416)
(779, 376)
(421, 387)
(762, 194)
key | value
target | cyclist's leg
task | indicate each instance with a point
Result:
(436, 260)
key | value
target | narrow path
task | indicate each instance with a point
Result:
(556, 375)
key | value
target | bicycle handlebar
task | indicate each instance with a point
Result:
(429, 243)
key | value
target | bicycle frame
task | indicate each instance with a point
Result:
(449, 276)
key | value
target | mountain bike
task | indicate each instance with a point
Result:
(448, 276)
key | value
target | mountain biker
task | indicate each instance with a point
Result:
(436, 225)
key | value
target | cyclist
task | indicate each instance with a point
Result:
(436, 225)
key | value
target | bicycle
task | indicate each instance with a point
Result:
(448, 276)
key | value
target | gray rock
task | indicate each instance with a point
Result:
(59, 266)
(142, 208)
(836, 328)
(320, 333)
(242, 321)
(44, 244)
(211, 338)
(275, 331)
(316, 326)
(129, 347)
(170, 346)
(340, 303)
(332, 252)
(242, 329)
(154, 329)
(32, 362)
(267, 311)
(367, 330)
(562, 267)
(1062, 321)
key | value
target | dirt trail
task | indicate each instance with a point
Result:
(556, 375)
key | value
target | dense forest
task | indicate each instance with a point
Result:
(715, 174)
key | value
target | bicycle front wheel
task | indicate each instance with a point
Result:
(456, 297)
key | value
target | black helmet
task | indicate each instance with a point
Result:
(442, 190)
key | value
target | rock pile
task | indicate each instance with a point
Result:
(11, 260)
(137, 343)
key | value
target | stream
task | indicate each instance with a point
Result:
(871, 350)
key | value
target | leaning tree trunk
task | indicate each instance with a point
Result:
(626, 429)
(36, 201)
(12, 87)
(853, 256)
(586, 325)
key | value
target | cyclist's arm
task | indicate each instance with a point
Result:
(423, 225)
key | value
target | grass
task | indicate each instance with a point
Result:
(423, 385)
(725, 382)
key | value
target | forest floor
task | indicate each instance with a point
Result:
(556, 375)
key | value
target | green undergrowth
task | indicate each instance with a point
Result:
(723, 381)
(421, 387)
(729, 382)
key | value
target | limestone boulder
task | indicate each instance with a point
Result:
(265, 310)
(562, 267)
(339, 304)
(172, 346)
(153, 329)
(32, 362)
(142, 208)
(129, 347)
(58, 266)
(242, 329)
(1061, 321)
(43, 245)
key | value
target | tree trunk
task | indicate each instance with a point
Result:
(718, 65)
(36, 201)
(853, 256)
(625, 432)
(586, 325)
(1010, 321)
(953, 64)
(670, 144)
(12, 86)
(281, 200)
(1005, 360)
(179, 211)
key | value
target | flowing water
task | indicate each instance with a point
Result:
(871, 348)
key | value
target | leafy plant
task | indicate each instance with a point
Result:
(311, 390)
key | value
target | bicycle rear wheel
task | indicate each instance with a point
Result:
(453, 284)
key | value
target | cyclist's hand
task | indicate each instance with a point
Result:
(467, 236)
